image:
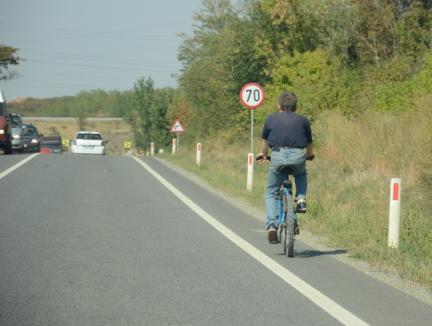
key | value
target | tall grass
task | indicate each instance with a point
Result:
(349, 184)
(350, 187)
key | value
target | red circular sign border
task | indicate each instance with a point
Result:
(250, 107)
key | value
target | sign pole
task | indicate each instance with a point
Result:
(251, 96)
(177, 128)
(178, 142)
(252, 131)
(249, 182)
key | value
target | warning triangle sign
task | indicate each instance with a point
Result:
(177, 127)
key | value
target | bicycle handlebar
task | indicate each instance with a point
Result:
(268, 158)
(261, 158)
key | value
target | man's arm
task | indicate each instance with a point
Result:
(309, 150)
(309, 146)
(264, 150)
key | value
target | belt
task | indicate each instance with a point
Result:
(278, 148)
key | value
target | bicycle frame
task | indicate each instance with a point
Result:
(285, 195)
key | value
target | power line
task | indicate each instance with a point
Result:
(131, 68)
(126, 62)
(49, 82)
(80, 55)
(57, 73)
(88, 33)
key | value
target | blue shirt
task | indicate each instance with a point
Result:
(287, 129)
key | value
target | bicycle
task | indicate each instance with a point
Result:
(288, 221)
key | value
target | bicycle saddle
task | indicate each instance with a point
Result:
(286, 169)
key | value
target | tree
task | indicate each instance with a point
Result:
(217, 60)
(8, 57)
(415, 28)
(138, 116)
(146, 112)
(159, 127)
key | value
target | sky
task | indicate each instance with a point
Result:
(74, 45)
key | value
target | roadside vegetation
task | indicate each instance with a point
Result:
(362, 71)
(96, 103)
(349, 185)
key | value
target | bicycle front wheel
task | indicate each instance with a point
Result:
(283, 237)
(290, 233)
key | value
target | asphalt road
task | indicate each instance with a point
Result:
(88, 240)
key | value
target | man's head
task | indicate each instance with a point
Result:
(287, 101)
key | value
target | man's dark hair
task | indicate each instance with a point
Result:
(287, 101)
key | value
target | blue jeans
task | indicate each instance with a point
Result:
(290, 156)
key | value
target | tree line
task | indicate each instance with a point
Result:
(349, 56)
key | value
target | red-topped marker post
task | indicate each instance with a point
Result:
(394, 213)
(251, 96)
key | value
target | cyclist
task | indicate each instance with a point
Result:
(289, 136)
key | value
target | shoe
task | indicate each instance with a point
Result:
(272, 234)
(301, 206)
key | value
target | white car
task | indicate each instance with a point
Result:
(88, 142)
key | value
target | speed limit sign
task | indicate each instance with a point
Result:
(252, 95)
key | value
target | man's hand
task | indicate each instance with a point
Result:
(263, 155)
(261, 158)
(309, 152)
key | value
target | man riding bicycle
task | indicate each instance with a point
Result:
(289, 135)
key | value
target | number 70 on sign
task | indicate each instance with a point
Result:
(252, 95)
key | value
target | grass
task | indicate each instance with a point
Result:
(224, 169)
(357, 160)
(349, 185)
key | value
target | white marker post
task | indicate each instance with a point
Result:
(251, 97)
(394, 214)
(174, 146)
(198, 154)
(152, 148)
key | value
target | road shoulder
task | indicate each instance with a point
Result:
(319, 243)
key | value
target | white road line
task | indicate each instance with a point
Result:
(16, 166)
(322, 301)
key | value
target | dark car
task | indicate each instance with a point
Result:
(17, 141)
(51, 144)
(15, 119)
(32, 139)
